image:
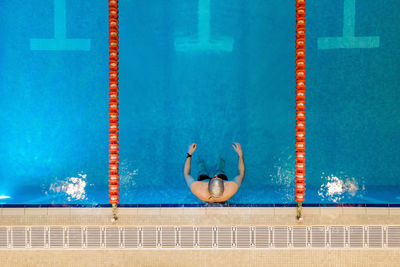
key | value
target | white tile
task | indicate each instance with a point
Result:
(394, 211)
(148, 211)
(90, 211)
(13, 211)
(216, 210)
(171, 211)
(311, 211)
(354, 210)
(286, 211)
(194, 211)
(331, 210)
(262, 211)
(239, 210)
(377, 211)
(127, 211)
(100, 211)
(35, 211)
(59, 211)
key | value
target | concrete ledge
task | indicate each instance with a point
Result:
(148, 211)
(201, 216)
(127, 211)
(59, 211)
(331, 210)
(354, 210)
(35, 211)
(262, 211)
(311, 211)
(285, 211)
(216, 210)
(171, 211)
(13, 211)
(194, 211)
(394, 211)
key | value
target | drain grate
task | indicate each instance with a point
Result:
(205, 236)
(3, 237)
(149, 237)
(168, 236)
(337, 236)
(187, 234)
(243, 237)
(38, 237)
(56, 237)
(299, 236)
(262, 236)
(356, 236)
(112, 237)
(280, 236)
(318, 237)
(19, 237)
(93, 237)
(75, 237)
(200, 237)
(393, 239)
(130, 237)
(375, 236)
(224, 237)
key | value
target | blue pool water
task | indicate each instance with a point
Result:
(204, 71)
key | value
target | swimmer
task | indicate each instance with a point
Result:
(217, 188)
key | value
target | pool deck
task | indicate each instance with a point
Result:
(199, 216)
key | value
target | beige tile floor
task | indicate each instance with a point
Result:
(204, 258)
(201, 216)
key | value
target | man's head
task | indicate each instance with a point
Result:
(216, 186)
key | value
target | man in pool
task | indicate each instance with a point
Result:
(217, 188)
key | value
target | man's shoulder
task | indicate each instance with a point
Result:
(200, 189)
(198, 185)
(229, 184)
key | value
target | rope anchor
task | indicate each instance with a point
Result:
(114, 213)
(299, 216)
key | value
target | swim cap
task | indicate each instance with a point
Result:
(216, 187)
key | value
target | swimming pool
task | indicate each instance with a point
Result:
(210, 72)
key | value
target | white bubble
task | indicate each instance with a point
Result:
(336, 189)
(74, 187)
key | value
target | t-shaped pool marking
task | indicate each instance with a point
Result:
(348, 40)
(203, 42)
(60, 41)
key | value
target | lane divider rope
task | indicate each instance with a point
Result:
(300, 102)
(113, 102)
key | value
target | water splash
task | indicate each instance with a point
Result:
(4, 197)
(336, 189)
(283, 176)
(126, 178)
(73, 187)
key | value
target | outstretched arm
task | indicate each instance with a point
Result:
(238, 179)
(186, 171)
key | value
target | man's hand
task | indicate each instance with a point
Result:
(192, 148)
(238, 149)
